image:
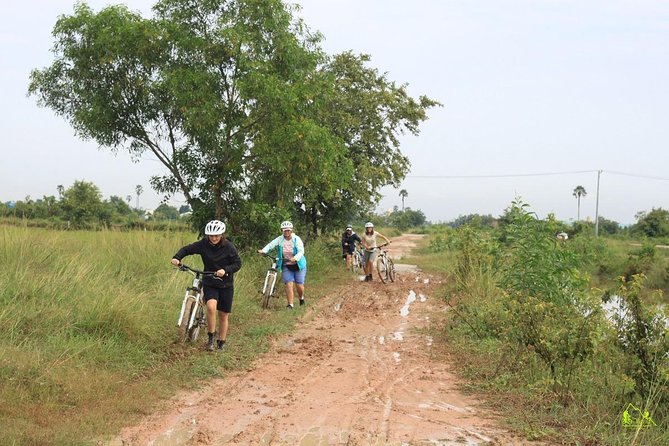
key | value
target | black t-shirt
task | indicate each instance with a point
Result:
(214, 257)
(351, 239)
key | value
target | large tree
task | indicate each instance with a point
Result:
(252, 121)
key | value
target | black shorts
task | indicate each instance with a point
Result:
(223, 297)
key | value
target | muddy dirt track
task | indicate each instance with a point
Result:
(359, 372)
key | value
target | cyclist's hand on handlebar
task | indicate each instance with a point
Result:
(220, 273)
(175, 262)
(260, 251)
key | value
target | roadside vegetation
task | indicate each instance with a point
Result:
(567, 339)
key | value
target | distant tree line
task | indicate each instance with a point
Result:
(81, 206)
(652, 224)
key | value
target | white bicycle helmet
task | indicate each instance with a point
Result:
(286, 225)
(369, 224)
(214, 227)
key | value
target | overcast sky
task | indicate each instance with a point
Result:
(537, 97)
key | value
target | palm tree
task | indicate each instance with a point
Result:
(403, 194)
(138, 190)
(579, 192)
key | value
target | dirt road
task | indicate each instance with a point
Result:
(360, 372)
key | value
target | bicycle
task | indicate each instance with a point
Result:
(357, 260)
(384, 265)
(193, 313)
(269, 287)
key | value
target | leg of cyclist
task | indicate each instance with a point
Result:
(224, 308)
(300, 276)
(370, 257)
(211, 320)
(289, 293)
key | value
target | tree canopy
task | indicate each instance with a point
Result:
(251, 119)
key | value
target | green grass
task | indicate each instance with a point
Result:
(89, 329)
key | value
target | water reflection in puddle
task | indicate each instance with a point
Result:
(404, 311)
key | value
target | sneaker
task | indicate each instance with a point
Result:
(220, 344)
(289, 307)
(367, 278)
(370, 278)
(302, 302)
(211, 342)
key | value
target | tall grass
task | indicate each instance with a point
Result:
(89, 321)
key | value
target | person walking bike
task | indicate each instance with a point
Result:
(220, 255)
(348, 241)
(370, 244)
(290, 260)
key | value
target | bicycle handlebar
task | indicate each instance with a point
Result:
(184, 267)
(271, 257)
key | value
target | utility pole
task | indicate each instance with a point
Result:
(599, 173)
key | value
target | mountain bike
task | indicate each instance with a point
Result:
(384, 265)
(269, 287)
(357, 260)
(193, 313)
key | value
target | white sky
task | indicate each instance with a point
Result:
(528, 87)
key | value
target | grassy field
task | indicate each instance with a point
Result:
(88, 339)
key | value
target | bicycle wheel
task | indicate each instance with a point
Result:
(356, 262)
(391, 270)
(199, 321)
(268, 291)
(382, 268)
(184, 331)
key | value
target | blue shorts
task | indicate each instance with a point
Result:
(293, 276)
(223, 297)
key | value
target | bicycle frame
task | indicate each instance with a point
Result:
(193, 314)
(192, 292)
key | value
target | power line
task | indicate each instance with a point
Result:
(503, 175)
(637, 175)
(538, 175)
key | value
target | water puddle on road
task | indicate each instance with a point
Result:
(404, 311)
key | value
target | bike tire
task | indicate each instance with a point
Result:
(391, 270)
(184, 332)
(268, 292)
(382, 269)
(197, 323)
(266, 299)
(356, 263)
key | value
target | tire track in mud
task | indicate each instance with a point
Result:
(360, 372)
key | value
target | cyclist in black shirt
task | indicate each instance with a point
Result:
(220, 255)
(348, 241)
